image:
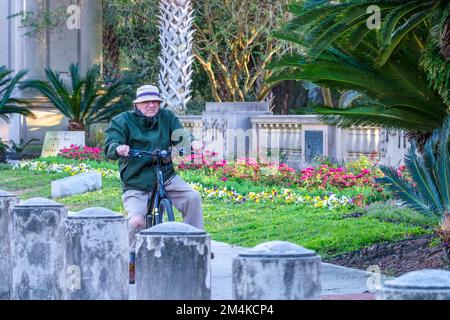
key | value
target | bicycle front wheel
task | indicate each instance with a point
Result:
(165, 211)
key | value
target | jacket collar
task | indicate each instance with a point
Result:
(148, 122)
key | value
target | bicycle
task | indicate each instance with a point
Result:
(159, 205)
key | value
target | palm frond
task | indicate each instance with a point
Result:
(421, 175)
(401, 32)
(8, 103)
(403, 190)
(376, 115)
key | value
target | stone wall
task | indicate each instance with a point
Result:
(54, 49)
(286, 137)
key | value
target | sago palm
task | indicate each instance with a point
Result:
(397, 93)
(9, 104)
(87, 101)
(326, 22)
(426, 187)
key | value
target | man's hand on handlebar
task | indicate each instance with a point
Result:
(123, 150)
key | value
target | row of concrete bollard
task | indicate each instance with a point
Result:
(47, 254)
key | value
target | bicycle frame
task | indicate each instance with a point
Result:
(159, 193)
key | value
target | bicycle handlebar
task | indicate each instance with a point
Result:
(157, 153)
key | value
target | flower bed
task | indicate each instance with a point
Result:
(323, 186)
(358, 173)
(354, 175)
(287, 196)
(71, 169)
(81, 153)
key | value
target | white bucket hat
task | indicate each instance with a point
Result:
(147, 93)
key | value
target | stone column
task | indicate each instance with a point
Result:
(417, 285)
(37, 250)
(226, 125)
(34, 55)
(96, 255)
(90, 34)
(277, 270)
(7, 202)
(173, 262)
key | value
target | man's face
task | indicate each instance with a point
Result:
(148, 108)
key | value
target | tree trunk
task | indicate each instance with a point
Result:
(289, 94)
(76, 126)
(176, 58)
(419, 137)
(111, 51)
(2, 156)
(327, 99)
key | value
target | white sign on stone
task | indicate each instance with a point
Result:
(57, 140)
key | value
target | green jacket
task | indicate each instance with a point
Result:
(130, 129)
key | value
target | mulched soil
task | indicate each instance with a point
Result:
(397, 258)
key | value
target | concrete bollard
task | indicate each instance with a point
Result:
(428, 284)
(37, 250)
(96, 255)
(7, 202)
(173, 262)
(277, 270)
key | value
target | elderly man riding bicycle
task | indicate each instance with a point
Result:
(149, 127)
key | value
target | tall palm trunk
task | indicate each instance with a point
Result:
(175, 77)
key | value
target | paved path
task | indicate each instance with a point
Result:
(338, 283)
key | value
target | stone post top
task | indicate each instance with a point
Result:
(95, 213)
(237, 106)
(422, 279)
(39, 202)
(173, 229)
(79, 175)
(5, 194)
(278, 249)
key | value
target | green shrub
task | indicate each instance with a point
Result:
(387, 211)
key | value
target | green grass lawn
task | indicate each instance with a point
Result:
(329, 232)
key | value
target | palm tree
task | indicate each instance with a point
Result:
(176, 57)
(327, 21)
(425, 187)
(8, 104)
(426, 21)
(405, 85)
(397, 94)
(87, 101)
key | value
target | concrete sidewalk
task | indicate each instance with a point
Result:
(337, 281)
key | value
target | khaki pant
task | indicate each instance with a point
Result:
(183, 197)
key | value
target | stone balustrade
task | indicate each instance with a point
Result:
(285, 137)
